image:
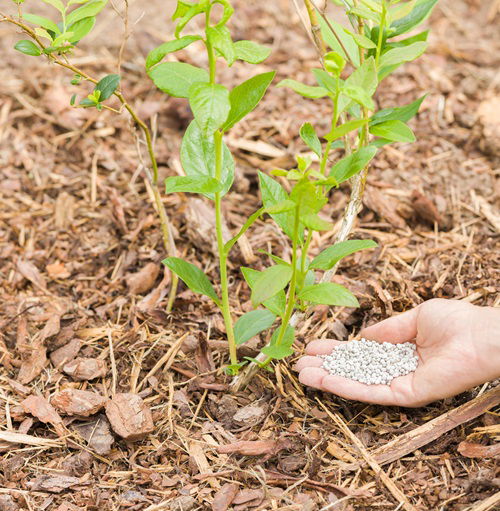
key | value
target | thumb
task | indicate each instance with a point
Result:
(401, 328)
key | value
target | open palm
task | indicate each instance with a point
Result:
(458, 345)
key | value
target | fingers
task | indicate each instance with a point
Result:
(401, 328)
(349, 389)
(322, 347)
(307, 361)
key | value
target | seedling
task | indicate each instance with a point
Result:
(55, 40)
(354, 61)
(206, 159)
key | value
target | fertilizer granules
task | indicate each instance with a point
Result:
(371, 362)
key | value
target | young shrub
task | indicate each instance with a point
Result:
(55, 39)
(206, 159)
(357, 61)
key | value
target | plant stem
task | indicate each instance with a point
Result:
(293, 281)
(226, 312)
(381, 33)
(168, 240)
(315, 28)
(210, 49)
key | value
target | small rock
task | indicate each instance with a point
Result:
(65, 353)
(82, 369)
(129, 416)
(78, 402)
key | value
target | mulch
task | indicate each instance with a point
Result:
(83, 291)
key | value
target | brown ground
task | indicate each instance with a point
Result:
(76, 223)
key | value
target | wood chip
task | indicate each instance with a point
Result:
(78, 402)
(473, 450)
(82, 369)
(34, 364)
(66, 353)
(129, 416)
(40, 408)
(224, 497)
(30, 272)
(97, 433)
(255, 447)
(142, 281)
(53, 484)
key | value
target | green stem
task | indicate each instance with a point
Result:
(226, 312)
(293, 282)
(251, 220)
(305, 249)
(381, 33)
(210, 48)
(324, 159)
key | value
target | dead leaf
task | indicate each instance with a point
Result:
(129, 416)
(224, 497)
(142, 281)
(254, 447)
(30, 272)
(473, 450)
(40, 408)
(78, 402)
(57, 270)
(53, 484)
(97, 434)
(65, 353)
(82, 369)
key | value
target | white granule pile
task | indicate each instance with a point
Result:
(371, 362)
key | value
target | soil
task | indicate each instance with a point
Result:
(76, 312)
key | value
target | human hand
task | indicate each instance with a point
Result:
(458, 345)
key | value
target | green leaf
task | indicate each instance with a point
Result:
(81, 28)
(176, 78)
(42, 22)
(396, 131)
(352, 164)
(192, 276)
(251, 324)
(28, 48)
(334, 62)
(360, 96)
(347, 41)
(421, 11)
(362, 41)
(315, 223)
(329, 257)
(396, 56)
(285, 348)
(198, 157)
(251, 52)
(308, 135)
(273, 194)
(210, 105)
(88, 9)
(308, 91)
(280, 207)
(246, 96)
(326, 80)
(192, 184)
(345, 128)
(364, 78)
(164, 49)
(277, 352)
(221, 40)
(55, 3)
(270, 282)
(401, 113)
(364, 13)
(328, 293)
(277, 303)
(107, 85)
